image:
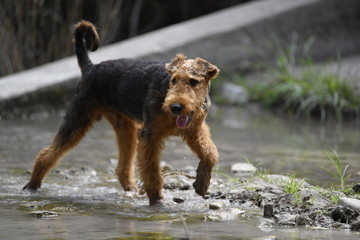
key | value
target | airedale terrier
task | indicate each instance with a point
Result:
(145, 102)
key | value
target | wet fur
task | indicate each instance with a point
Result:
(136, 97)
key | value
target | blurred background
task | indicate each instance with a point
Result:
(37, 31)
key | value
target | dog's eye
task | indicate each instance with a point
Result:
(173, 81)
(193, 82)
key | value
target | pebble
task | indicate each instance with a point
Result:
(228, 215)
(234, 94)
(355, 226)
(266, 222)
(43, 214)
(286, 219)
(178, 200)
(266, 238)
(343, 214)
(176, 182)
(216, 205)
(356, 188)
(352, 203)
(243, 168)
(268, 210)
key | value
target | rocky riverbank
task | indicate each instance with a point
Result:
(273, 201)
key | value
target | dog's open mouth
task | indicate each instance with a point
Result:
(182, 121)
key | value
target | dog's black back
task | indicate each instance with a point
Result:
(119, 85)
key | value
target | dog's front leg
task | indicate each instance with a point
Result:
(200, 142)
(149, 150)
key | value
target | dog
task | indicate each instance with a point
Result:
(145, 102)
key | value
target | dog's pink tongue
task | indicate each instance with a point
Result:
(182, 121)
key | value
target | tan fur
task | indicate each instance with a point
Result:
(144, 131)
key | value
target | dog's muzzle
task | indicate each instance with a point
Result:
(182, 120)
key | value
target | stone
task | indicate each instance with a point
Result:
(266, 223)
(234, 94)
(227, 215)
(43, 214)
(165, 167)
(356, 188)
(243, 168)
(286, 219)
(314, 198)
(271, 237)
(355, 226)
(352, 203)
(343, 214)
(216, 205)
(303, 220)
(178, 200)
(176, 182)
(268, 210)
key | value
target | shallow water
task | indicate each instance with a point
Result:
(84, 193)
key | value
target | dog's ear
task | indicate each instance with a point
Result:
(206, 69)
(177, 61)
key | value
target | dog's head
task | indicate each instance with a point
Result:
(189, 86)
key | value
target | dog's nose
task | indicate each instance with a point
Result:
(176, 108)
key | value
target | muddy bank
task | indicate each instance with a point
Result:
(269, 201)
(245, 207)
(276, 201)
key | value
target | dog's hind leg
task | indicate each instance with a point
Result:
(126, 133)
(76, 123)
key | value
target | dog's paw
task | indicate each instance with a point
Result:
(156, 200)
(31, 187)
(201, 185)
(130, 188)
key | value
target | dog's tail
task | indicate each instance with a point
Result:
(85, 38)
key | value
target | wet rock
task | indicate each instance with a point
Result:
(216, 205)
(243, 168)
(303, 220)
(227, 215)
(266, 222)
(276, 191)
(351, 203)
(356, 188)
(234, 94)
(268, 196)
(178, 199)
(266, 238)
(343, 214)
(281, 180)
(165, 167)
(236, 192)
(189, 170)
(43, 214)
(355, 226)
(314, 198)
(113, 162)
(286, 219)
(268, 210)
(177, 182)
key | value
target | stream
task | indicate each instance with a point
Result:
(82, 199)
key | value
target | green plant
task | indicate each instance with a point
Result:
(340, 172)
(219, 173)
(293, 186)
(333, 195)
(307, 90)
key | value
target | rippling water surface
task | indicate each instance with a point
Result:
(88, 202)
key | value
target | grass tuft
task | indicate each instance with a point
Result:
(293, 186)
(310, 91)
(340, 172)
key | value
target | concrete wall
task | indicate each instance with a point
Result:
(235, 39)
